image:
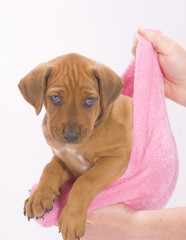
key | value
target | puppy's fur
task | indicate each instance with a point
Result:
(88, 125)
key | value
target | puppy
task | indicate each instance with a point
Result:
(88, 126)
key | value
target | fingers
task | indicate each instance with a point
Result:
(162, 44)
(153, 37)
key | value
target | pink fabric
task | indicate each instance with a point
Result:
(150, 178)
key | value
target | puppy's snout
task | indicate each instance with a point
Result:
(71, 136)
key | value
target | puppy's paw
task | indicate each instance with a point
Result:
(72, 223)
(40, 201)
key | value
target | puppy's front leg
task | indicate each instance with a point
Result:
(41, 200)
(73, 217)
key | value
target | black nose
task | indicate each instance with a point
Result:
(71, 136)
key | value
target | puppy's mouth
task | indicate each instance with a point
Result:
(71, 137)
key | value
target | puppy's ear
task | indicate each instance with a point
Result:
(33, 86)
(110, 85)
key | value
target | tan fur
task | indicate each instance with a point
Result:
(101, 153)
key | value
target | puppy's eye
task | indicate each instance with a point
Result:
(56, 100)
(90, 102)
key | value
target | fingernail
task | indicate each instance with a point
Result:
(24, 213)
(59, 231)
(142, 30)
(29, 219)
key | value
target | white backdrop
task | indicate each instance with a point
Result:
(38, 30)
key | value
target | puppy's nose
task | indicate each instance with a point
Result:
(71, 136)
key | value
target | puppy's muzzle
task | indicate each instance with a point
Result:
(71, 137)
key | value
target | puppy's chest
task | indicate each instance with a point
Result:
(76, 160)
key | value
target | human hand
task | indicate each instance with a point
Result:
(119, 222)
(172, 59)
(110, 223)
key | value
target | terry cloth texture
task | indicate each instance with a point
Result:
(151, 175)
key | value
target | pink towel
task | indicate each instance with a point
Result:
(151, 175)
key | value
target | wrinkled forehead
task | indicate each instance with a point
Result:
(72, 72)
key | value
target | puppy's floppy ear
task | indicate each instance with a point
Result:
(110, 85)
(33, 86)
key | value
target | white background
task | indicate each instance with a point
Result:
(39, 30)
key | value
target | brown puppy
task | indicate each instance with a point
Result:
(88, 125)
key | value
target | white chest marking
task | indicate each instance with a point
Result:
(58, 152)
(80, 157)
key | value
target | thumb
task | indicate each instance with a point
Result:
(158, 41)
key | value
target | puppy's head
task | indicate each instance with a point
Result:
(77, 93)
